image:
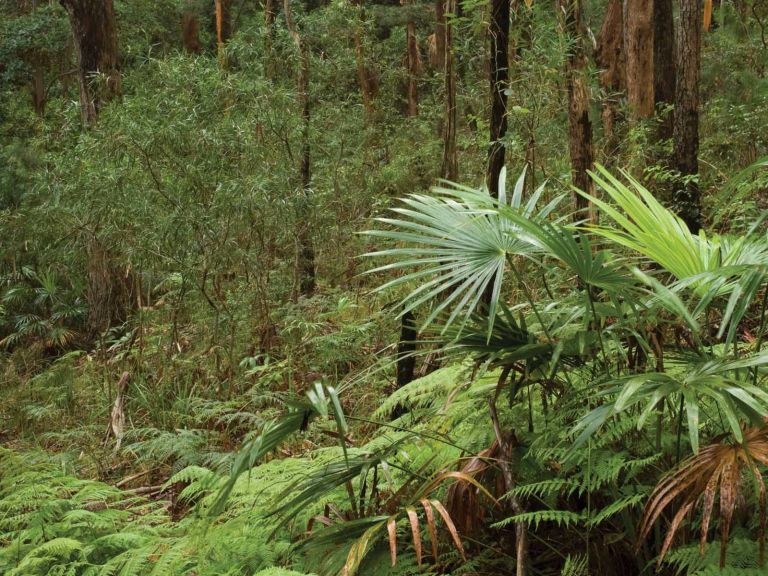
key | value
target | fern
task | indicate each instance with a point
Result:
(562, 518)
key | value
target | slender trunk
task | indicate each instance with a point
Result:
(413, 62)
(362, 75)
(305, 257)
(269, 38)
(440, 34)
(638, 46)
(664, 64)
(579, 122)
(223, 28)
(499, 82)
(38, 90)
(686, 124)
(450, 168)
(611, 60)
(94, 31)
(406, 361)
(190, 32)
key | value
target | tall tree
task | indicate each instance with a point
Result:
(498, 32)
(638, 47)
(610, 58)
(223, 27)
(190, 32)
(579, 122)
(269, 38)
(440, 34)
(450, 167)
(94, 31)
(305, 257)
(686, 121)
(413, 64)
(664, 62)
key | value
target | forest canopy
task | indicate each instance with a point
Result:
(448, 287)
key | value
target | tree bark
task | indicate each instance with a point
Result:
(94, 30)
(440, 34)
(269, 39)
(638, 47)
(190, 32)
(579, 123)
(611, 60)
(305, 257)
(664, 63)
(499, 82)
(406, 361)
(450, 167)
(413, 63)
(38, 90)
(223, 27)
(686, 122)
(362, 75)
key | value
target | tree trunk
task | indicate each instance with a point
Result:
(38, 90)
(413, 63)
(440, 33)
(95, 38)
(190, 32)
(499, 80)
(406, 361)
(638, 47)
(450, 168)
(223, 28)
(305, 257)
(363, 76)
(611, 60)
(579, 122)
(269, 39)
(686, 123)
(664, 63)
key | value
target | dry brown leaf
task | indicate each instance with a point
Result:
(413, 518)
(392, 531)
(431, 527)
(450, 525)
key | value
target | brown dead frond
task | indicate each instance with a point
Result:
(464, 499)
(697, 480)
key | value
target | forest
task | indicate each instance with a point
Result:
(383, 287)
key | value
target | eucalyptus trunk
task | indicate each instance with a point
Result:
(664, 63)
(450, 167)
(638, 46)
(413, 64)
(94, 31)
(579, 122)
(611, 60)
(499, 80)
(686, 123)
(305, 251)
